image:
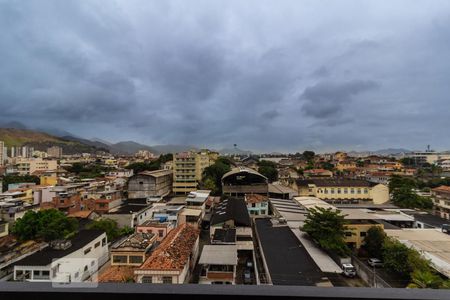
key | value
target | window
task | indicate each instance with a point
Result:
(359, 191)
(362, 233)
(160, 233)
(253, 204)
(120, 259)
(147, 279)
(46, 273)
(136, 259)
(97, 245)
(332, 191)
(77, 274)
(348, 233)
(103, 241)
(345, 190)
(366, 191)
(167, 279)
(352, 191)
(36, 273)
(338, 191)
(326, 191)
(87, 250)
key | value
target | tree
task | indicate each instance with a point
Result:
(49, 224)
(374, 241)
(212, 175)
(139, 167)
(9, 179)
(425, 279)
(404, 197)
(395, 257)
(327, 166)
(397, 181)
(308, 155)
(327, 228)
(110, 227)
(268, 169)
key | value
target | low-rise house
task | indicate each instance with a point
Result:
(174, 259)
(233, 213)
(257, 205)
(218, 264)
(130, 214)
(441, 201)
(4, 228)
(156, 227)
(73, 260)
(132, 250)
(317, 173)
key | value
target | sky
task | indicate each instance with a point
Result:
(266, 75)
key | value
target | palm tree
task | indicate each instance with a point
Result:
(424, 280)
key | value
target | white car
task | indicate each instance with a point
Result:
(375, 262)
(349, 270)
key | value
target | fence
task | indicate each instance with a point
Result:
(369, 274)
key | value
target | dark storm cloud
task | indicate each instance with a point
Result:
(284, 76)
(327, 99)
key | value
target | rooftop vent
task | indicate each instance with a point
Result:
(60, 244)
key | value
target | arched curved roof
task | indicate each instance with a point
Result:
(243, 170)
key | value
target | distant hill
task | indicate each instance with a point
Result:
(41, 141)
(234, 151)
(163, 149)
(129, 147)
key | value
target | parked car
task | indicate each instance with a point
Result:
(247, 277)
(446, 228)
(249, 264)
(375, 262)
(348, 270)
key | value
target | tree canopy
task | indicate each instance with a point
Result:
(308, 155)
(110, 227)
(152, 165)
(268, 169)
(374, 241)
(8, 179)
(212, 175)
(48, 224)
(327, 227)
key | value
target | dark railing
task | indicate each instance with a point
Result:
(12, 290)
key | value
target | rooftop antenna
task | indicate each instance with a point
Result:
(428, 148)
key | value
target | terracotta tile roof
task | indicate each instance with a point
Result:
(442, 188)
(255, 198)
(117, 274)
(314, 171)
(81, 214)
(174, 250)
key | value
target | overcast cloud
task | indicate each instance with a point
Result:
(266, 75)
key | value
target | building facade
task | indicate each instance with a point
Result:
(441, 201)
(188, 168)
(150, 184)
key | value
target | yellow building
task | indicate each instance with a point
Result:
(358, 221)
(31, 165)
(343, 191)
(188, 168)
(48, 180)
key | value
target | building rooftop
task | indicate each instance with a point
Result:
(335, 182)
(174, 251)
(136, 242)
(227, 235)
(219, 255)
(287, 260)
(156, 173)
(117, 274)
(255, 198)
(430, 220)
(442, 188)
(431, 243)
(47, 255)
(231, 209)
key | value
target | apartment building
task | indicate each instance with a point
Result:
(441, 201)
(54, 152)
(343, 190)
(29, 166)
(188, 168)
